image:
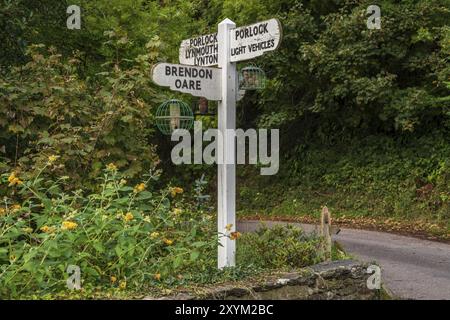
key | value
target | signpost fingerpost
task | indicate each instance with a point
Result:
(195, 76)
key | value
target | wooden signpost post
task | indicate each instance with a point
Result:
(224, 49)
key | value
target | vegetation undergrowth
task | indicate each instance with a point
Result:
(123, 238)
(372, 181)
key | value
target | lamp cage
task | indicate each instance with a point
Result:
(174, 114)
(252, 78)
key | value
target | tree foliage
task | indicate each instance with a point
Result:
(90, 100)
(47, 109)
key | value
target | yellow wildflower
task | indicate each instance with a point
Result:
(175, 190)
(157, 276)
(139, 188)
(113, 279)
(69, 225)
(154, 235)
(2, 211)
(177, 211)
(47, 229)
(229, 226)
(123, 182)
(11, 177)
(235, 235)
(168, 241)
(122, 285)
(128, 217)
(111, 167)
(15, 207)
(13, 180)
(52, 158)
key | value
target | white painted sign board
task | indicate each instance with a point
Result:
(254, 40)
(247, 42)
(200, 51)
(197, 81)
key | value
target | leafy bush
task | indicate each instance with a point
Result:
(122, 236)
(47, 109)
(279, 247)
(377, 175)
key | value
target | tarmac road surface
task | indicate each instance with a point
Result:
(411, 268)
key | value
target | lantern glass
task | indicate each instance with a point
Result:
(172, 115)
(252, 78)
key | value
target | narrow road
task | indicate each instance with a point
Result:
(411, 268)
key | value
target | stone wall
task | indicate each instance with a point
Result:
(343, 279)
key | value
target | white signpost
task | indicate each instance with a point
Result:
(224, 48)
(226, 170)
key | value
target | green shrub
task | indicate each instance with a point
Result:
(46, 109)
(375, 175)
(279, 247)
(122, 236)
